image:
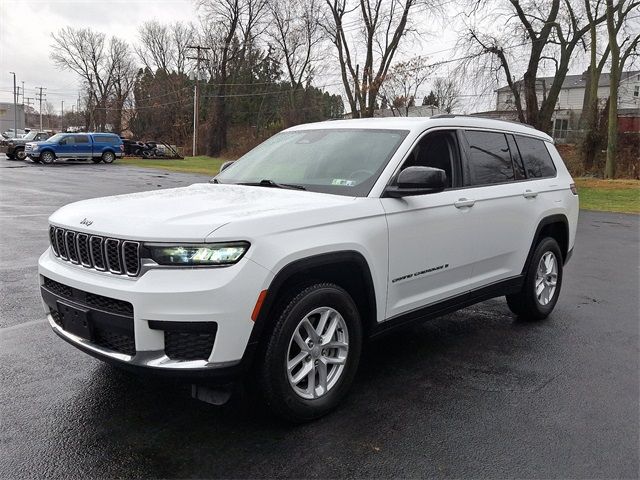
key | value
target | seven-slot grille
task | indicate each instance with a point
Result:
(119, 257)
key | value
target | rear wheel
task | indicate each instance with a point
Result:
(108, 157)
(312, 355)
(542, 283)
(47, 157)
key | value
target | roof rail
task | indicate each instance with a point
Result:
(454, 115)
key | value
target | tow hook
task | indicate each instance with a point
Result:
(218, 395)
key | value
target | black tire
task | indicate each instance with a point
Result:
(273, 379)
(20, 154)
(47, 157)
(96, 160)
(108, 157)
(526, 304)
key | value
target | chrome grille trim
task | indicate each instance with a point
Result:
(84, 250)
(105, 254)
(98, 263)
(128, 259)
(70, 244)
(62, 248)
(52, 240)
(113, 260)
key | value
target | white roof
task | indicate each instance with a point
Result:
(420, 124)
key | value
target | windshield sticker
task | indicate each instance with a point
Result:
(342, 182)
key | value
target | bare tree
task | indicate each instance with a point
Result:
(164, 47)
(548, 30)
(589, 118)
(124, 73)
(381, 26)
(621, 50)
(87, 53)
(295, 32)
(400, 88)
(447, 93)
(226, 21)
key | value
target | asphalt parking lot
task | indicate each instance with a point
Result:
(473, 394)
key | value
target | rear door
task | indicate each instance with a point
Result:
(83, 146)
(504, 212)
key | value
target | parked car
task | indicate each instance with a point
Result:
(321, 237)
(11, 134)
(98, 147)
(14, 147)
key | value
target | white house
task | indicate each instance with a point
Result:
(571, 97)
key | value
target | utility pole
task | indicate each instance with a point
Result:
(196, 95)
(62, 116)
(22, 93)
(15, 107)
(39, 97)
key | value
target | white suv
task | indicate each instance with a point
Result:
(321, 237)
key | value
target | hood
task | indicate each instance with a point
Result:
(187, 214)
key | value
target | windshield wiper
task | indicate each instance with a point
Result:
(270, 183)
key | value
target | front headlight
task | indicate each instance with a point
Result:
(194, 255)
(34, 147)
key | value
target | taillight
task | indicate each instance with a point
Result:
(573, 188)
(121, 147)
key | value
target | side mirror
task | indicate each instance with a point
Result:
(226, 165)
(417, 181)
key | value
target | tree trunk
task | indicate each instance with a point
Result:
(612, 130)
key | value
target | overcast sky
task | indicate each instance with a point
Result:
(25, 37)
(26, 27)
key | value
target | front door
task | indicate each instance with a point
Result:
(431, 248)
(66, 147)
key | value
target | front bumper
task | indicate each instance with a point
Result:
(161, 299)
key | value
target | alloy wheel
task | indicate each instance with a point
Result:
(546, 278)
(317, 353)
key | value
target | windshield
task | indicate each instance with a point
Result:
(30, 136)
(339, 161)
(56, 138)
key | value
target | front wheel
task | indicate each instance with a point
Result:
(21, 154)
(542, 283)
(108, 157)
(312, 355)
(47, 158)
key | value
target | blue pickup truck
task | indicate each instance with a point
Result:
(97, 147)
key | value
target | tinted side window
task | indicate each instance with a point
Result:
(515, 156)
(489, 159)
(106, 139)
(536, 158)
(67, 140)
(81, 139)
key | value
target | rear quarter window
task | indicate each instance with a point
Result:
(106, 139)
(536, 158)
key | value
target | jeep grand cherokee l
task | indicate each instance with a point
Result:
(321, 237)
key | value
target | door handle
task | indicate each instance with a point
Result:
(464, 202)
(529, 194)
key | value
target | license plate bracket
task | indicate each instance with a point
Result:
(75, 320)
